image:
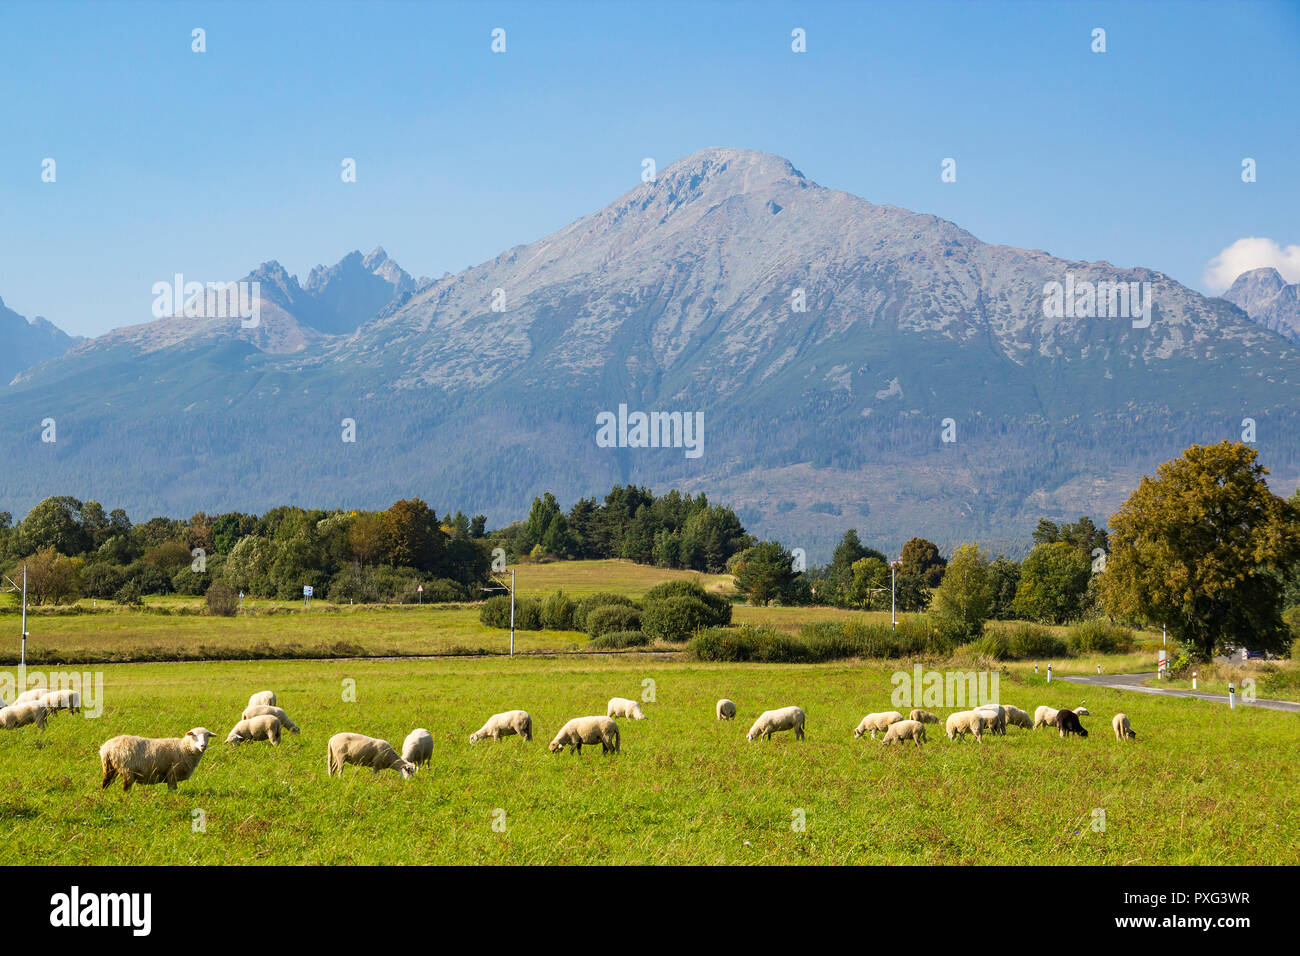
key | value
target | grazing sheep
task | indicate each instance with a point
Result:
(994, 717)
(587, 730)
(266, 697)
(68, 700)
(726, 709)
(771, 721)
(166, 760)
(1046, 716)
(259, 727)
(622, 707)
(965, 722)
(876, 722)
(20, 715)
(1018, 718)
(1121, 727)
(365, 751)
(417, 748)
(32, 696)
(924, 716)
(901, 730)
(1067, 722)
(505, 724)
(266, 710)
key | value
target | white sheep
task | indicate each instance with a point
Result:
(725, 709)
(417, 748)
(32, 696)
(772, 721)
(587, 730)
(20, 715)
(1119, 723)
(877, 722)
(266, 697)
(166, 760)
(265, 710)
(68, 700)
(1082, 711)
(363, 751)
(924, 716)
(965, 722)
(258, 727)
(901, 730)
(994, 717)
(1017, 717)
(622, 707)
(505, 724)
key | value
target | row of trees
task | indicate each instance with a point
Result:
(74, 549)
(671, 530)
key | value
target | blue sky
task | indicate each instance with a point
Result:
(208, 164)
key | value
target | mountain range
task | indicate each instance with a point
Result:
(1268, 299)
(28, 342)
(832, 345)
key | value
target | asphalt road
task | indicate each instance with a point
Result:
(1134, 682)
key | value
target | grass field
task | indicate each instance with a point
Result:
(1202, 784)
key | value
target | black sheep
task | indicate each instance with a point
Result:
(1067, 722)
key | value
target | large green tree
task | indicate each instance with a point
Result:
(764, 572)
(1203, 548)
(964, 599)
(1053, 583)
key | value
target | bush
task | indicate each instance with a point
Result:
(557, 612)
(613, 617)
(612, 640)
(223, 600)
(445, 591)
(719, 607)
(1098, 637)
(495, 612)
(129, 593)
(1019, 642)
(748, 643)
(593, 601)
(675, 618)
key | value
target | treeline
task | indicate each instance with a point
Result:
(74, 549)
(1055, 584)
(670, 531)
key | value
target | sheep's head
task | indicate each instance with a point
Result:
(1082, 711)
(474, 737)
(555, 745)
(200, 737)
(406, 769)
(234, 738)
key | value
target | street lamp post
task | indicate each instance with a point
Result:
(512, 613)
(893, 618)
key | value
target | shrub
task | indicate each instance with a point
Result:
(612, 640)
(748, 643)
(129, 593)
(1019, 642)
(557, 612)
(1098, 637)
(495, 612)
(719, 607)
(613, 617)
(593, 601)
(223, 600)
(445, 591)
(675, 618)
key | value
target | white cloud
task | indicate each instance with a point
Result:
(1252, 253)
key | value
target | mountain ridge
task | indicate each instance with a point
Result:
(481, 389)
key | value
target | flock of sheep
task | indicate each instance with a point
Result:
(994, 718)
(173, 760)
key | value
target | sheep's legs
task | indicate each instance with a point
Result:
(109, 774)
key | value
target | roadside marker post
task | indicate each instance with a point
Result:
(1049, 673)
(1162, 665)
(1193, 680)
(1232, 696)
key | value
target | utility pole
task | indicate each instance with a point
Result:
(893, 618)
(512, 613)
(24, 653)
